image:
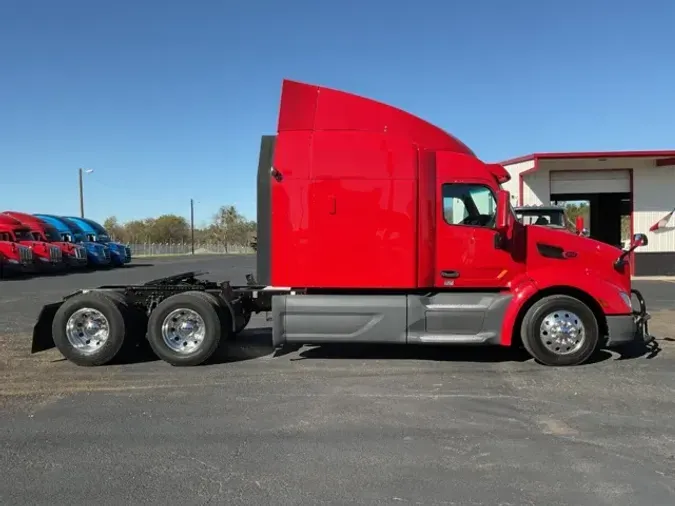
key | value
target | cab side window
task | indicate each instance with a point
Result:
(468, 204)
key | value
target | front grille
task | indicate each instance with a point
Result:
(25, 255)
(55, 254)
(106, 253)
(127, 251)
(80, 252)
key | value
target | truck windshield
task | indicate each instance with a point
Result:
(103, 238)
(52, 235)
(555, 218)
(23, 234)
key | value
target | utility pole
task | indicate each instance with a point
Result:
(192, 223)
(81, 195)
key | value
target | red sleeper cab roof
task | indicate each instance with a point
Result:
(315, 108)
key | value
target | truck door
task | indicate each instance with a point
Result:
(466, 256)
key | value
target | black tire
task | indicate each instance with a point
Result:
(116, 311)
(565, 306)
(135, 344)
(207, 307)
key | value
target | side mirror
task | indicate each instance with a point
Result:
(639, 240)
(503, 208)
(579, 225)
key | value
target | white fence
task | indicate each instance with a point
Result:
(157, 249)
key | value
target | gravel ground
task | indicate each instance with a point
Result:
(329, 425)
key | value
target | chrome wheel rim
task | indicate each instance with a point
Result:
(87, 330)
(562, 332)
(183, 331)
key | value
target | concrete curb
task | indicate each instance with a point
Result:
(671, 279)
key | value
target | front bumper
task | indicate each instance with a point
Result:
(43, 264)
(73, 261)
(634, 328)
(99, 261)
(14, 268)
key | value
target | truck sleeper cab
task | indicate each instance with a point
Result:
(98, 255)
(45, 257)
(94, 232)
(73, 255)
(374, 227)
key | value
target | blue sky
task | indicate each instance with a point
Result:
(166, 100)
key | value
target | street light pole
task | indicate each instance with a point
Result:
(81, 171)
(81, 195)
(192, 223)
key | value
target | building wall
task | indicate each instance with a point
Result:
(513, 185)
(537, 187)
(653, 198)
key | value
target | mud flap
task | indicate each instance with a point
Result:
(42, 331)
(278, 321)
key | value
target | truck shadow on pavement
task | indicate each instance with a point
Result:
(256, 343)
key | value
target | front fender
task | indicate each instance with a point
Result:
(523, 289)
(607, 295)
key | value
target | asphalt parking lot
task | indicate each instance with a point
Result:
(432, 426)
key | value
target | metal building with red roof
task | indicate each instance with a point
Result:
(636, 184)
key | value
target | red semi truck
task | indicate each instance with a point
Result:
(45, 256)
(374, 226)
(14, 258)
(16, 255)
(73, 255)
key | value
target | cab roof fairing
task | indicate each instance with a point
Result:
(317, 108)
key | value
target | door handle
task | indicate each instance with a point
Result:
(449, 274)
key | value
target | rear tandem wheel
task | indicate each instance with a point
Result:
(91, 328)
(186, 329)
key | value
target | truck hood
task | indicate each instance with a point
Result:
(548, 246)
(36, 244)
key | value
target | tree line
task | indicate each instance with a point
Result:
(228, 227)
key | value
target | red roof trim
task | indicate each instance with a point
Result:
(590, 154)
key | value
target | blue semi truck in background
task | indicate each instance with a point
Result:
(120, 254)
(98, 255)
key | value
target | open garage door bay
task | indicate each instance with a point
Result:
(590, 181)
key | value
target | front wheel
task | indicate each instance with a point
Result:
(560, 330)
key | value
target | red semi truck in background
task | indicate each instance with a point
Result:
(374, 226)
(73, 255)
(14, 258)
(44, 256)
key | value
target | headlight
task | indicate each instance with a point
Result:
(626, 299)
